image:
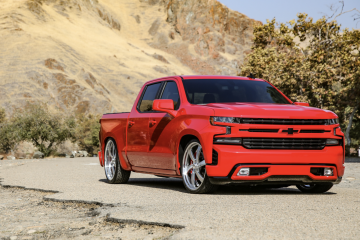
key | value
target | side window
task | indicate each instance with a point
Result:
(171, 92)
(148, 97)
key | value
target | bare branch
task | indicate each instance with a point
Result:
(334, 11)
(354, 9)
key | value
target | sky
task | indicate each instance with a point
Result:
(286, 10)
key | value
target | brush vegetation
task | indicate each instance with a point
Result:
(312, 61)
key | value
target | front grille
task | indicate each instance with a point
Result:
(284, 143)
(260, 130)
(314, 131)
(283, 121)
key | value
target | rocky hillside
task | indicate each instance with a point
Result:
(94, 55)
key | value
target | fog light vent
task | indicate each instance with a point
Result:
(328, 172)
(244, 172)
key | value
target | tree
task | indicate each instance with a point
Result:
(9, 134)
(2, 115)
(43, 128)
(87, 132)
(311, 62)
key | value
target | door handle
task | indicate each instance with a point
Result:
(152, 122)
(131, 123)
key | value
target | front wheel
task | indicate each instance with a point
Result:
(314, 187)
(193, 169)
(113, 171)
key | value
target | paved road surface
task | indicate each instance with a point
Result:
(230, 213)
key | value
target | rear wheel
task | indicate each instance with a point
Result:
(113, 171)
(314, 187)
(193, 169)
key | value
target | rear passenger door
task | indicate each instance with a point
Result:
(162, 127)
(138, 137)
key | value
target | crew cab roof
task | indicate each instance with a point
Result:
(218, 77)
(186, 77)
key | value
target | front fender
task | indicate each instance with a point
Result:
(205, 134)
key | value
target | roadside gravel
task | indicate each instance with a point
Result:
(25, 215)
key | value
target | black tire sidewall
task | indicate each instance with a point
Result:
(317, 188)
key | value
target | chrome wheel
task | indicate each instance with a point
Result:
(193, 166)
(110, 160)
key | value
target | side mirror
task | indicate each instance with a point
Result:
(302, 104)
(164, 105)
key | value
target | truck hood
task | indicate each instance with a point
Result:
(266, 110)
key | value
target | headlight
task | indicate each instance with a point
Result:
(331, 121)
(332, 142)
(236, 141)
(214, 120)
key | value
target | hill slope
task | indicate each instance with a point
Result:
(93, 56)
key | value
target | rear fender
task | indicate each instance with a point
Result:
(121, 150)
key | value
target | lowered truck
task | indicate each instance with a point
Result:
(216, 130)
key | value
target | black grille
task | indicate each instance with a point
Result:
(283, 121)
(260, 130)
(314, 131)
(284, 143)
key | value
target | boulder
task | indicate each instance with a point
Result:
(1, 157)
(38, 155)
(11, 158)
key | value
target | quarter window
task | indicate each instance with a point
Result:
(148, 97)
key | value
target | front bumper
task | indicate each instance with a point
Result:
(284, 166)
(283, 181)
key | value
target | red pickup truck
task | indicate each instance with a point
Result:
(216, 130)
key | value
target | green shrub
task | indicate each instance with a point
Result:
(43, 128)
(87, 132)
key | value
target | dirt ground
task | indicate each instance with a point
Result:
(25, 215)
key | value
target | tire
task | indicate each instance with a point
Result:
(315, 187)
(114, 173)
(193, 170)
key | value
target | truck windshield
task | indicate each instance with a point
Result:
(204, 91)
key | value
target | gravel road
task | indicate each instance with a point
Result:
(162, 207)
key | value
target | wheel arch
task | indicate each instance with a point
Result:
(181, 147)
(121, 157)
